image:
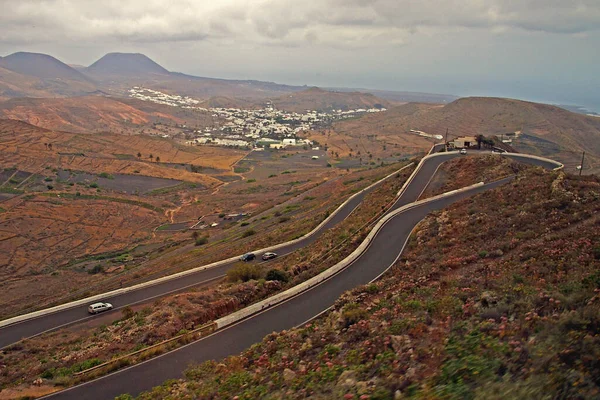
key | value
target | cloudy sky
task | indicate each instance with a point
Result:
(543, 50)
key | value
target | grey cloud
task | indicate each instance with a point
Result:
(285, 22)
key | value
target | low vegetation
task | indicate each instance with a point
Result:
(486, 302)
(246, 284)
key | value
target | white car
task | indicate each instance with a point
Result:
(463, 151)
(99, 307)
(269, 256)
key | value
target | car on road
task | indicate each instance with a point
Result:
(99, 307)
(248, 257)
(463, 151)
(269, 256)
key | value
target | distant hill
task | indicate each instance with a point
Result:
(34, 74)
(41, 66)
(406, 97)
(125, 64)
(323, 100)
(544, 130)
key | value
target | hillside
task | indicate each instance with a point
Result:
(545, 130)
(125, 64)
(90, 113)
(323, 100)
(32, 74)
(486, 303)
(41, 66)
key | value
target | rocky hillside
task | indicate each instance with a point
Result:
(495, 297)
(541, 129)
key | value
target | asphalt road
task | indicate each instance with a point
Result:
(15, 332)
(379, 256)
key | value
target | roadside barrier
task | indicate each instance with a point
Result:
(116, 292)
(327, 274)
(559, 165)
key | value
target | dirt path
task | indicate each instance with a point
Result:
(170, 213)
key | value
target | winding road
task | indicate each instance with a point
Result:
(52, 321)
(379, 256)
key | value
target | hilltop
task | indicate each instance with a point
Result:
(541, 129)
(41, 66)
(33, 74)
(125, 64)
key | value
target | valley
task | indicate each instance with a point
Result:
(402, 267)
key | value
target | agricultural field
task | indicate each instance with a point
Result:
(39, 235)
(33, 149)
(89, 343)
(88, 210)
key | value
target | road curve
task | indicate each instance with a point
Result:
(35, 326)
(378, 257)
(31, 327)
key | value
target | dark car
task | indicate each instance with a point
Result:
(269, 256)
(248, 257)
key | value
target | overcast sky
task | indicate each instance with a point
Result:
(544, 50)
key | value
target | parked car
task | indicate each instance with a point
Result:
(248, 257)
(268, 256)
(463, 151)
(99, 307)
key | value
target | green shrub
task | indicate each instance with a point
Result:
(94, 185)
(47, 179)
(277, 275)
(127, 312)
(352, 313)
(245, 223)
(96, 269)
(50, 187)
(283, 219)
(244, 272)
(248, 233)
(251, 180)
(106, 175)
(200, 240)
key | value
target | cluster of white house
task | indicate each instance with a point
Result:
(246, 127)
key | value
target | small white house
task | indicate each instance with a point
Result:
(289, 142)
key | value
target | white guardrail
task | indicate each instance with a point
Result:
(116, 292)
(559, 165)
(323, 276)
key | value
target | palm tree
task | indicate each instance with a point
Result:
(150, 157)
(139, 155)
(157, 159)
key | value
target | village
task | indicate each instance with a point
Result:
(265, 127)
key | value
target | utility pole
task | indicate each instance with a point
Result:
(446, 142)
(581, 166)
